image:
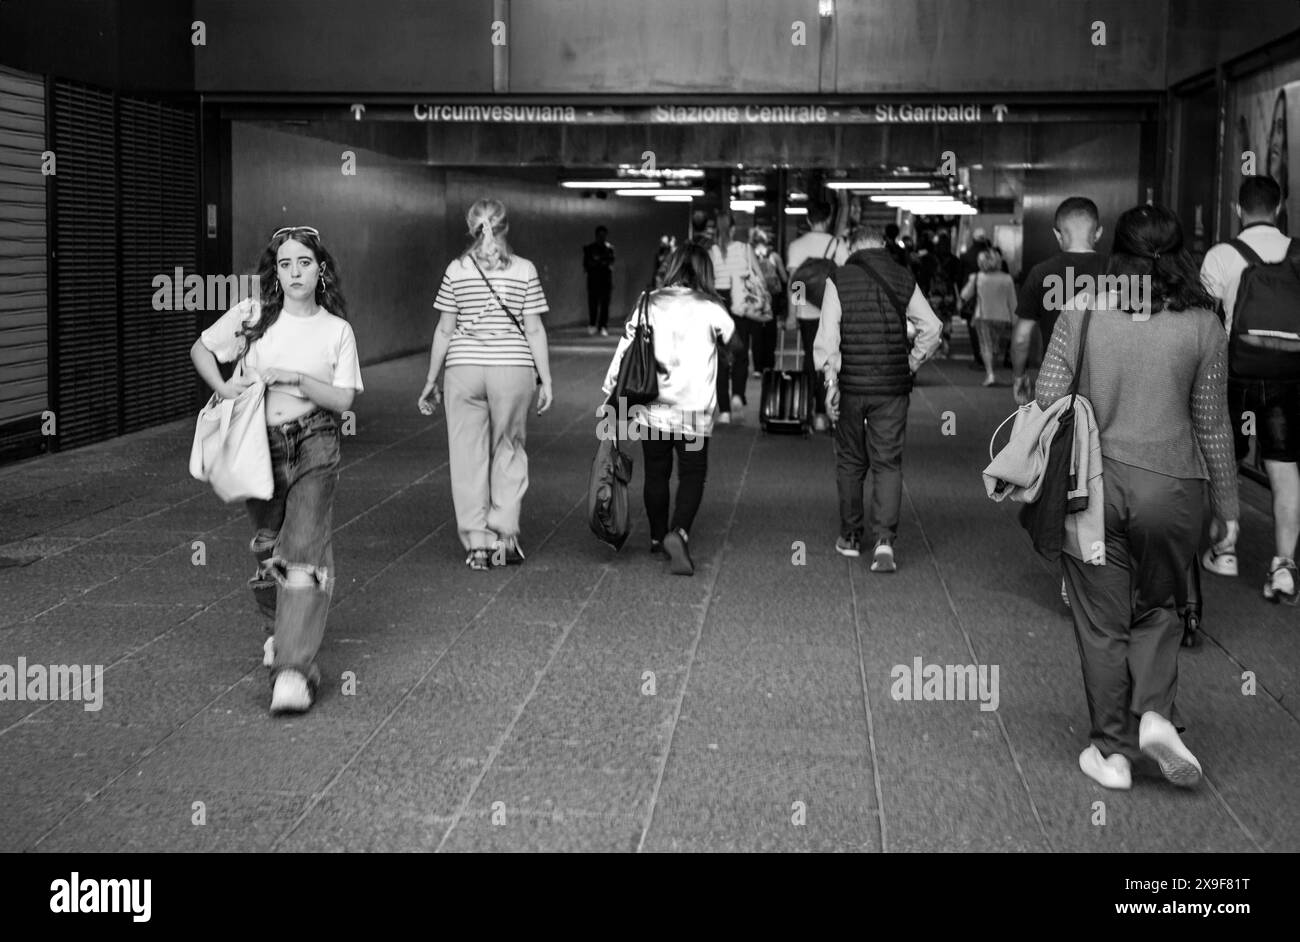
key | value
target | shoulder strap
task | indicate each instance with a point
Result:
(827, 253)
(509, 313)
(889, 291)
(1246, 252)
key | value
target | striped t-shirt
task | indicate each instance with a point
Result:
(485, 335)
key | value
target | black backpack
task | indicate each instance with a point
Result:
(813, 272)
(1265, 341)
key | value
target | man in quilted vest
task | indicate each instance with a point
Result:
(862, 349)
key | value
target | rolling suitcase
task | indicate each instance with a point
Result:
(786, 403)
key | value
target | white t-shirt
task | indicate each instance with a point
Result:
(1223, 265)
(733, 262)
(321, 346)
(814, 245)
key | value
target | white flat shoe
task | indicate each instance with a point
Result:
(1110, 772)
(1158, 739)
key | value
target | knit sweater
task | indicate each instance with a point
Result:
(1159, 390)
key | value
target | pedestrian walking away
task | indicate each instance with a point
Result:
(293, 337)
(688, 319)
(1264, 386)
(862, 349)
(1155, 374)
(994, 295)
(492, 344)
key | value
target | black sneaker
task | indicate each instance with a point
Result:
(657, 548)
(675, 545)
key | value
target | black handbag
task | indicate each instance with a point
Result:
(1044, 519)
(638, 374)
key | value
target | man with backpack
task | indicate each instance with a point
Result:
(1257, 277)
(810, 259)
(862, 347)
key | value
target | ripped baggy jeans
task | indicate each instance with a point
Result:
(294, 530)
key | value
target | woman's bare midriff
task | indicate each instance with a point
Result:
(283, 407)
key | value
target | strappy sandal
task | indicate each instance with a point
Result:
(478, 560)
(1272, 594)
(1220, 563)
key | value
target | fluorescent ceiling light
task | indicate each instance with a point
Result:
(796, 210)
(879, 185)
(892, 198)
(673, 198)
(747, 206)
(643, 191)
(751, 188)
(609, 184)
(797, 197)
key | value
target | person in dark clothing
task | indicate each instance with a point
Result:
(1078, 227)
(598, 263)
(940, 280)
(970, 265)
(862, 343)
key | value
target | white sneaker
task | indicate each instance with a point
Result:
(737, 404)
(882, 560)
(604, 332)
(724, 418)
(1158, 739)
(291, 694)
(1280, 586)
(268, 651)
(1110, 772)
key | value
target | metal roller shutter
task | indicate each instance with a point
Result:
(159, 219)
(24, 390)
(86, 236)
(126, 211)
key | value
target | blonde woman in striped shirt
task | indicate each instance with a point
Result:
(493, 344)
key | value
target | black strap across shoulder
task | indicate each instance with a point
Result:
(885, 286)
(1078, 359)
(509, 313)
(1246, 252)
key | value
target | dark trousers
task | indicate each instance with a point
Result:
(733, 365)
(765, 345)
(692, 468)
(869, 437)
(808, 334)
(598, 293)
(974, 341)
(1126, 611)
(749, 338)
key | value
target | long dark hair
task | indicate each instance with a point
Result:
(329, 290)
(1149, 242)
(689, 266)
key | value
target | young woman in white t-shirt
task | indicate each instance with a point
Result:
(295, 339)
(493, 344)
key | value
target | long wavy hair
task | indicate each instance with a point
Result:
(1149, 241)
(329, 290)
(689, 266)
(488, 226)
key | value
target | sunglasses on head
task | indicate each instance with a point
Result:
(280, 232)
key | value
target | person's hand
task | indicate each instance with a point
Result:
(833, 403)
(234, 387)
(544, 397)
(430, 398)
(1021, 390)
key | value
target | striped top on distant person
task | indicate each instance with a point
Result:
(485, 335)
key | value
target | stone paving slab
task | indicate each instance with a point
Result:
(508, 710)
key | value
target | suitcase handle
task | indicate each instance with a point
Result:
(798, 350)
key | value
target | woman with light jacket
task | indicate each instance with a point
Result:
(1155, 371)
(688, 320)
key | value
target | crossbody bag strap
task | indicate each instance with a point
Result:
(889, 291)
(509, 313)
(1246, 252)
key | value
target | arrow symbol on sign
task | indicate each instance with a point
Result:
(999, 112)
(358, 111)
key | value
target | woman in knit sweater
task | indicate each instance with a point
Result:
(1156, 374)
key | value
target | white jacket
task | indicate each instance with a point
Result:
(686, 328)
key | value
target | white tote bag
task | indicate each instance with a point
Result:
(231, 450)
